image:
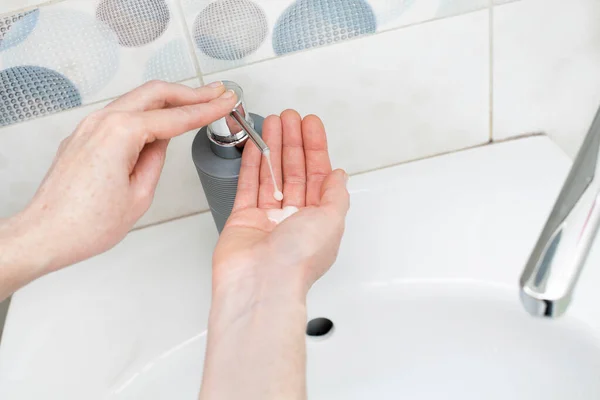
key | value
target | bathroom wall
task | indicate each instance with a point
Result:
(394, 80)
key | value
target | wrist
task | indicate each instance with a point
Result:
(264, 279)
(256, 333)
(255, 284)
(16, 270)
(24, 252)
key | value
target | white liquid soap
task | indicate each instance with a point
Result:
(277, 194)
(278, 215)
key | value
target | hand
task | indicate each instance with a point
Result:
(303, 247)
(262, 271)
(104, 175)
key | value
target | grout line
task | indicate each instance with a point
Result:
(445, 153)
(150, 225)
(510, 139)
(363, 37)
(521, 136)
(29, 8)
(491, 69)
(189, 41)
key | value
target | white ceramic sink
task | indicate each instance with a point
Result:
(424, 298)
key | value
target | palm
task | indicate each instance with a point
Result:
(300, 164)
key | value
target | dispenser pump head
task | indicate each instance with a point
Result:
(228, 135)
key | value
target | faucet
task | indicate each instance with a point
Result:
(549, 278)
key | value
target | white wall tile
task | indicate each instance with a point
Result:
(546, 63)
(27, 151)
(386, 98)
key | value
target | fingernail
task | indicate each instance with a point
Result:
(228, 94)
(215, 84)
(346, 176)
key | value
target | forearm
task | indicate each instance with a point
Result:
(22, 258)
(256, 344)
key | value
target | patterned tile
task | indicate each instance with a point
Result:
(98, 49)
(14, 6)
(233, 33)
(382, 107)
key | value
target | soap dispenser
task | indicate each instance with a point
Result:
(217, 154)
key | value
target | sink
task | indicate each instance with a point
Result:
(423, 298)
(448, 340)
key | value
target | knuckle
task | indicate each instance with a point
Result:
(116, 124)
(144, 197)
(115, 120)
(145, 194)
(92, 119)
(155, 84)
(265, 180)
(63, 144)
(295, 179)
(185, 111)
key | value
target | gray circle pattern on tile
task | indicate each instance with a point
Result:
(19, 25)
(170, 63)
(230, 29)
(28, 92)
(72, 43)
(311, 23)
(136, 22)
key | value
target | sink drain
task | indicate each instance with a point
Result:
(319, 327)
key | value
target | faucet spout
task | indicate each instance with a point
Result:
(549, 278)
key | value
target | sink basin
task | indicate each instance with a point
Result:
(423, 298)
(449, 340)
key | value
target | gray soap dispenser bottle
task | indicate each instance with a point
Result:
(217, 154)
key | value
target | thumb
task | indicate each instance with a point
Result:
(147, 170)
(334, 193)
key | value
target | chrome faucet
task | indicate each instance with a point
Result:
(550, 276)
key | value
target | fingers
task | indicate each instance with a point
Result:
(293, 165)
(333, 193)
(247, 191)
(299, 153)
(157, 95)
(318, 164)
(272, 132)
(147, 170)
(168, 123)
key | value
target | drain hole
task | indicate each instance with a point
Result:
(319, 327)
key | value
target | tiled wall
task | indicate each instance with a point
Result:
(394, 80)
(546, 69)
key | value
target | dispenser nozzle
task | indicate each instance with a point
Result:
(254, 136)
